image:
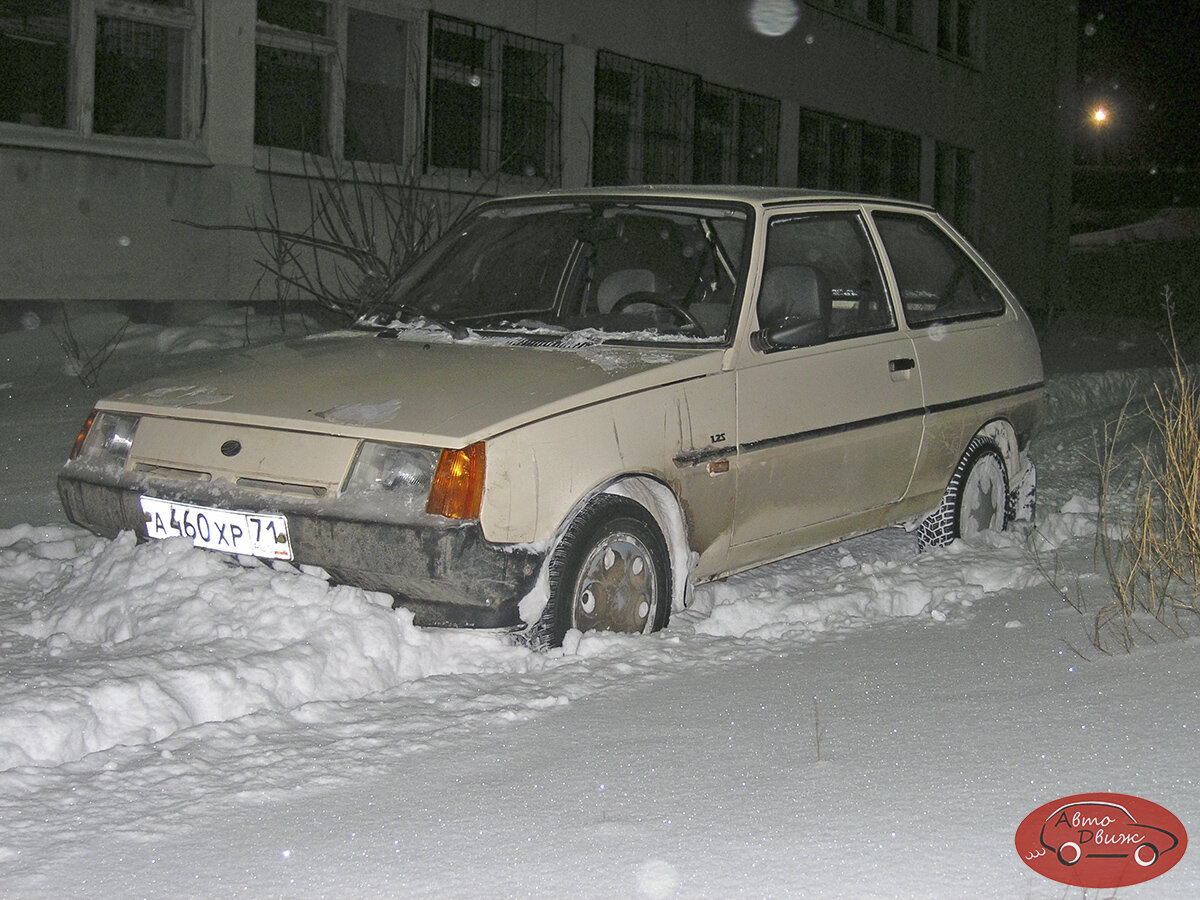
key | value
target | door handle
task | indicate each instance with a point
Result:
(901, 364)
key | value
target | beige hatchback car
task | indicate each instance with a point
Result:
(577, 405)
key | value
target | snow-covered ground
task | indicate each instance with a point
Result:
(859, 721)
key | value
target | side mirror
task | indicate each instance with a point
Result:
(791, 333)
(794, 305)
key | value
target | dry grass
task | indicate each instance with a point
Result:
(1152, 551)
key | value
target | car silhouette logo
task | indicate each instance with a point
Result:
(1098, 830)
(1101, 840)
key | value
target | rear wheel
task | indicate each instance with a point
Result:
(610, 572)
(976, 499)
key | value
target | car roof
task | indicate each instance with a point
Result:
(759, 196)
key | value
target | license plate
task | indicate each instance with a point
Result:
(251, 534)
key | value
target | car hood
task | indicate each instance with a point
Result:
(434, 391)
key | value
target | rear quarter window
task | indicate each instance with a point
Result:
(937, 279)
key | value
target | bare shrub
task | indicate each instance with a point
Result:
(357, 227)
(364, 225)
(1152, 550)
(83, 361)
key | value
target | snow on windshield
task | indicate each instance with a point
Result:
(634, 272)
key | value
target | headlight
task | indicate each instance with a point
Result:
(416, 479)
(106, 438)
(403, 474)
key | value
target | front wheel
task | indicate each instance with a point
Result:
(976, 499)
(610, 572)
(1069, 853)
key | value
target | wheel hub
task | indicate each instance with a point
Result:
(617, 589)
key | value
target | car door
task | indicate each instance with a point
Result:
(979, 358)
(830, 411)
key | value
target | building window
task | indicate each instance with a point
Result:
(890, 15)
(301, 16)
(125, 72)
(376, 69)
(644, 127)
(289, 99)
(35, 59)
(875, 173)
(954, 186)
(758, 140)
(845, 150)
(904, 157)
(956, 28)
(331, 79)
(847, 155)
(494, 100)
(737, 136)
(139, 78)
(716, 137)
(291, 73)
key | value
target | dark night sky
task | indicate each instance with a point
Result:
(1138, 58)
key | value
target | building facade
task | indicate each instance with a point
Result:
(125, 124)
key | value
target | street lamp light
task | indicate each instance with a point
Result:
(1100, 118)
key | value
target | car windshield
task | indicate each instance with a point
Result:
(619, 270)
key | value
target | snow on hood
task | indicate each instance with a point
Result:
(431, 391)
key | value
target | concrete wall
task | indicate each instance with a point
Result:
(93, 217)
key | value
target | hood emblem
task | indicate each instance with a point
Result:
(231, 448)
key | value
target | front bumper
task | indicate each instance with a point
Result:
(447, 576)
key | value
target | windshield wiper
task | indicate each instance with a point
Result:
(410, 315)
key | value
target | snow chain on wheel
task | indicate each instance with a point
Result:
(610, 572)
(976, 499)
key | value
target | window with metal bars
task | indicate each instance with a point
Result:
(848, 155)
(737, 136)
(758, 140)
(644, 128)
(494, 100)
(954, 186)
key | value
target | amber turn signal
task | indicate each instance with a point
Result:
(457, 490)
(83, 433)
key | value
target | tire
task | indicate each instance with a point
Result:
(1073, 855)
(976, 499)
(1022, 494)
(1147, 859)
(610, 572)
